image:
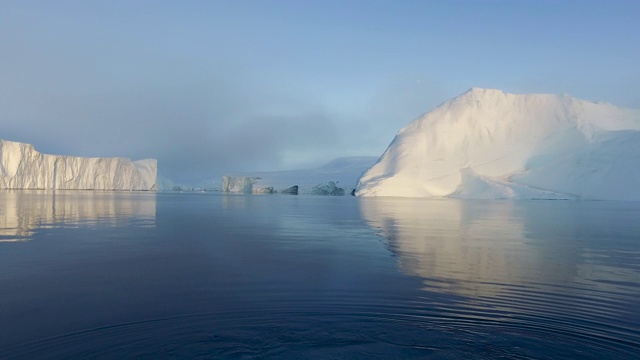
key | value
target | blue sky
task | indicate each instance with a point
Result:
(209, 87)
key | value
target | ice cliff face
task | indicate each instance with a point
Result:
(489, 144)
(238, 184)
(22, 167)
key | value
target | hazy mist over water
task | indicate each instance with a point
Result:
(160, 275)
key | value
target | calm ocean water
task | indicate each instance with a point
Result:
(144, 275)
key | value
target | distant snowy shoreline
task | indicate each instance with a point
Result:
(338, 177)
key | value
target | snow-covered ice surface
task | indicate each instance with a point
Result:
(343, 172)
(23, 167)
(488, 144)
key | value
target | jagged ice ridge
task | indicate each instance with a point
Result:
(23, 167)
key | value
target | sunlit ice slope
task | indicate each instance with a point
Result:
(489, 144)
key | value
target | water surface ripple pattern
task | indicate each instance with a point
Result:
(238, 276)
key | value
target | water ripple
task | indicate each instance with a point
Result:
(365, 329)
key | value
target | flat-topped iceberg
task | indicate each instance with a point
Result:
(23, 167)
(490, 144)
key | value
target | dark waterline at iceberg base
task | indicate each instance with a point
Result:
(146, 275)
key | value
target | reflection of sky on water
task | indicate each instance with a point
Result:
(598, 239)
(22, 212)
(501, 274)
(287, 214)
(481, 248)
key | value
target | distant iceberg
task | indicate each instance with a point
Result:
(238, 184)
(344, 171)
(22, 167)
(329, 188)
(487, 144)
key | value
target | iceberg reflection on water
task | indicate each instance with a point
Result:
(562, 267)
(22, 212)
(222, 276)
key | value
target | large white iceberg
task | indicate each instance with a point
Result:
(490, 144)
(23, 167)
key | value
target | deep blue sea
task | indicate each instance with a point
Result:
(118, 275)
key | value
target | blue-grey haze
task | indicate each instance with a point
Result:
(209, 87)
